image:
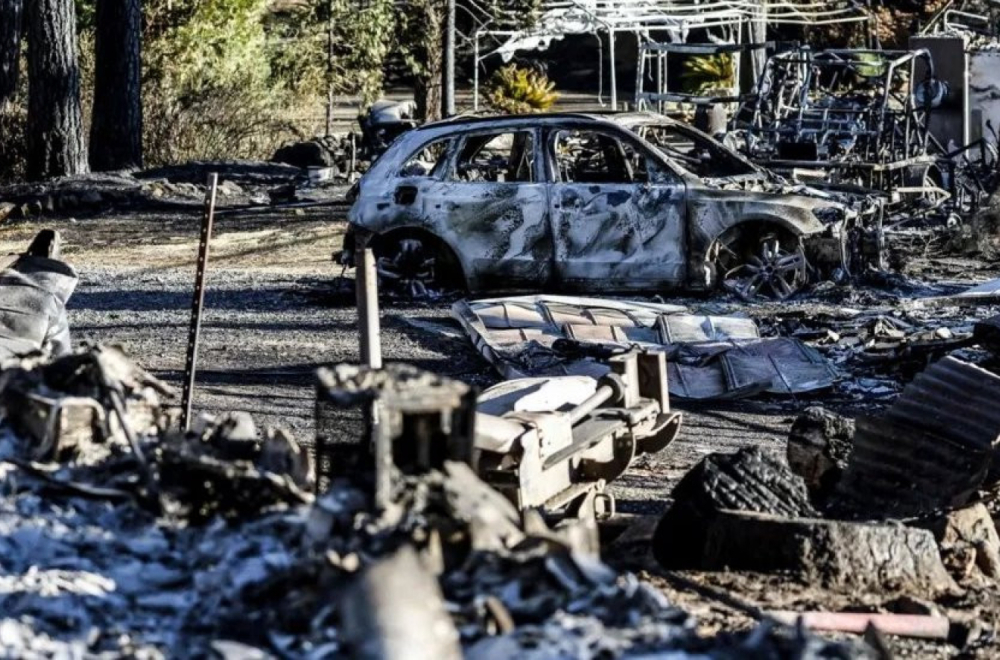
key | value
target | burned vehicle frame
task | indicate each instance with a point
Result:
(580, 202)
(858, 119)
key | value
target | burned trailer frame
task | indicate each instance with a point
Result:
(857, 116)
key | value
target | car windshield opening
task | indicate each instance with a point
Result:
(695, 153)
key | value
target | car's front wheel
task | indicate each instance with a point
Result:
(754, 263)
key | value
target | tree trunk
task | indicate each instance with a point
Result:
(55, 124)
(11, 12)
(427, 86)
(116, 129)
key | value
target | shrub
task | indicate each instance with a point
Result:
(704, 74)
(515, 90)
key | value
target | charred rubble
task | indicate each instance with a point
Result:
(894, 501)
(125, 537)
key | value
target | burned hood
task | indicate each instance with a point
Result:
(715, 209)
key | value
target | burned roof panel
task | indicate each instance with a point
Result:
(709, 357)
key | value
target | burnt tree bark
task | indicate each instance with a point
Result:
(116, 129)
(427, 83)
(11, 13)
(55, 122)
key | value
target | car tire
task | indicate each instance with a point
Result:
(754, 263)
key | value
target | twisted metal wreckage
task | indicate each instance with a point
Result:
(858, 121)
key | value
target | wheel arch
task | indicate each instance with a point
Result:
(384, 239)
(703, 261)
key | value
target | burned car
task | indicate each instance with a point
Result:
(585, 202)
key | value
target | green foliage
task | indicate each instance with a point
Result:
(870, 65)
(299, 46)
(703, 74)
(515, 90)
(222, 77)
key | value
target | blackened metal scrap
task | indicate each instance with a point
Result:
(932, 449)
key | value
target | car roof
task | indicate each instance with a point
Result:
(618, 118)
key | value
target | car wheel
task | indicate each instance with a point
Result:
(411, 268)
(754, 265)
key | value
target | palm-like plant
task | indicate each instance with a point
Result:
(704, 73)
(516, 90)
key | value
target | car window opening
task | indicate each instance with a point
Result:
(693, 152)
(593, 157)
(428, 160)
(497, 158)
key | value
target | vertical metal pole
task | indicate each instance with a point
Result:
(449, 61)
(367, 290)
(191, 363)
(329, 70)
(614, 75)
(475, 71)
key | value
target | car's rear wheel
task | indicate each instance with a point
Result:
(415, 267)
(755, 263)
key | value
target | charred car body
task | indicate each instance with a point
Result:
(584, 202)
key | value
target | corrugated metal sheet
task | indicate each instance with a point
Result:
(931, 450)
(710, 356)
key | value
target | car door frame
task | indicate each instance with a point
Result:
(673, 276)
(523, 259)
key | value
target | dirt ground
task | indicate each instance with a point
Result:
(272, 318)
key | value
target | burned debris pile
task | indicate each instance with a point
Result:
(894, 501)
(123, 537)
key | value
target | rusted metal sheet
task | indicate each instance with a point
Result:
(709, 357)
(931, 450)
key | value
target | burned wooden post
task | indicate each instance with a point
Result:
(198, 301)
(367, 292)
